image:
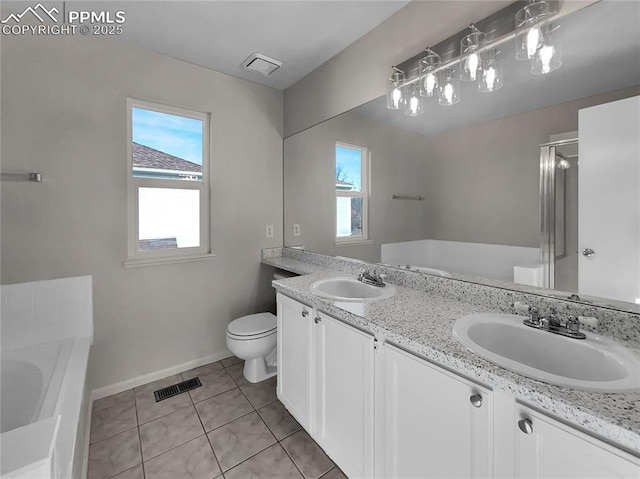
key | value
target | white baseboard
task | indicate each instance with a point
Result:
(154, 376)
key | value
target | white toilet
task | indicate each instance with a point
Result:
(253, 338)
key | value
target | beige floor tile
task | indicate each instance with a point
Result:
(169, 431)
(240, 439)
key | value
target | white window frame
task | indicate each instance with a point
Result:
(136, 257)
(364, 194)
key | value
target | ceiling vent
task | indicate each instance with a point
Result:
(261, 64)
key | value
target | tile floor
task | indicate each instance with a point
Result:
(227, 428)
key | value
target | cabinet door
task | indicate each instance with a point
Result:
(294, 358)
(344, 388)
(546, 448)
(432, 428)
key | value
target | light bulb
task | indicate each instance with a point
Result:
(430, 84)
(547, 52)
(473, 61)
(533, 41)
(396, 96)
(448, 93)
(490, 78)
(414, 102)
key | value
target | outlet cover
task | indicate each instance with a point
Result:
(269, 231)
(296, 230)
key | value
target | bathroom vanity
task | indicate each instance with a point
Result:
(387, 392)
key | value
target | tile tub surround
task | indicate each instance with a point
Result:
(422, 323)
(227, 428)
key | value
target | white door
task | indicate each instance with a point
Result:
(548, 449)
(609, 200)
(437, 424)
(294, 358)
(344, 387)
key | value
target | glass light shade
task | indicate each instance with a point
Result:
(471, 61)
(413, 105)
(449, 92)
(530, 22)
(491, 78)
(395, 96)
(548, 58)
(428, 76)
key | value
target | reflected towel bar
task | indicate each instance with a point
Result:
(401, 197)
(36, 177)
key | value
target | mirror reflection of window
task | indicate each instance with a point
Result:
(351, 192)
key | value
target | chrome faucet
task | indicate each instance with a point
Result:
(372, 278)
(551, 323)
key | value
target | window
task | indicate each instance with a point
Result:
(168, 183)
(352, 185)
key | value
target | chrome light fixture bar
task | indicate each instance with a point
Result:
(474, 56)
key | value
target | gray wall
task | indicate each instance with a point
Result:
(481, 183)
(64, 114)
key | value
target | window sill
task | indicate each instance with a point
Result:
(337, 244)
(143, 262)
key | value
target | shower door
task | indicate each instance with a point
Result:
(559, 214)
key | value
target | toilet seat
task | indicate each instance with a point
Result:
(252, 326)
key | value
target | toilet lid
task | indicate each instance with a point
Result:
(253, 324)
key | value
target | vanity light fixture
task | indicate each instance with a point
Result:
(428, 74)
(471, 64)
(474, 56)
(395, 96)
(492, 72)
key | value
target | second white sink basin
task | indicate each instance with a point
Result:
(592, 364)
(350, 289)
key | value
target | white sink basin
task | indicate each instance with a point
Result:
(592, 364)
(350, 289)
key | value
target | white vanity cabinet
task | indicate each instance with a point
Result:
(344, 394)
(325, 380)
(548, 449)
(436, 423)
(358, 399)
(295, 322)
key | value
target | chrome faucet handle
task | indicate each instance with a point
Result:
(573, 324)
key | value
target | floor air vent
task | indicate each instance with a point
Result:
(175, 389)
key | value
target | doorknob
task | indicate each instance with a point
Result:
(588, 252)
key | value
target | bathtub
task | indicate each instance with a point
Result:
(41, 398)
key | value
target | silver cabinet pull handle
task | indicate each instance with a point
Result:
(476, 400)
(588, 252)
(525, 426)
(317, 319)
(305, 313)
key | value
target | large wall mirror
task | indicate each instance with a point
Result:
(459, 189)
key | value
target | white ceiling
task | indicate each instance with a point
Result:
(219, 35)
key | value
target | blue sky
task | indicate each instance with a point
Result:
(177, 135)
(350, 161)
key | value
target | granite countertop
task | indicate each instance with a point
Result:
(422, 323)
